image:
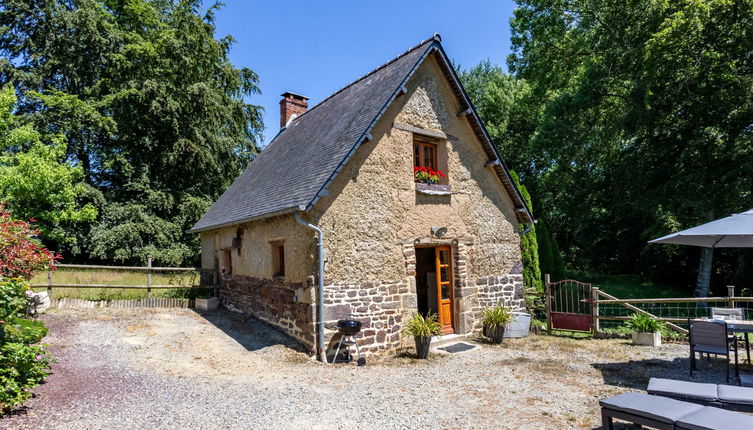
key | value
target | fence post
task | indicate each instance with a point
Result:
(49, 285)
(548, 305)
(595, 308)
(149, 278)
(731, 294)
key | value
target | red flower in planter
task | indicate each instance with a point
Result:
(427, 175)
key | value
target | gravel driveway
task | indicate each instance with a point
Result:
(177, 369)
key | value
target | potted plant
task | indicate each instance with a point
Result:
(495, 319)
(422, 328)
(427, 176)
(646, 330)
(207, 303)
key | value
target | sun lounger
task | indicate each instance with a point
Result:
(664, 413)
(724, 396)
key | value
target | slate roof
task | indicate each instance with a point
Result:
(300, 162)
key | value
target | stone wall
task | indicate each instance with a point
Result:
(273, 301)
(499, 290)
(378, 305)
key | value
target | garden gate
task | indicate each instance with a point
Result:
(568, 305)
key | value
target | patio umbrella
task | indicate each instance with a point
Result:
(735, 231)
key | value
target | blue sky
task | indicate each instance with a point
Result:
(315, 48)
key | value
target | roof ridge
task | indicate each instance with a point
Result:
(434, 37)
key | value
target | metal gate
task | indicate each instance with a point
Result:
(568, 305)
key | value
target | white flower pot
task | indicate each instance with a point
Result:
(650, 339)
(207, 304)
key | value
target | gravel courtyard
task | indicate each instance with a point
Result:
(177, 369)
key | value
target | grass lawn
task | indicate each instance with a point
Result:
(116, 277)
(630, 286)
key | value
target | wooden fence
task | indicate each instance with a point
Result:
(208, 279)
(602, 307)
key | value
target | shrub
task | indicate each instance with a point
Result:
(25, 331)
(20, 255)
(643, 323)
(498, 316)
(422, 326)
(12, 298)
(22, 367)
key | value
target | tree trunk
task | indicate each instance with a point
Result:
(703, 283)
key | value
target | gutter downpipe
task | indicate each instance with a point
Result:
(321, 353)
(527, 229)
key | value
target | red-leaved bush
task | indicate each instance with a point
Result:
(20, 255)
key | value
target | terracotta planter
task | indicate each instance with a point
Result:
(495, 333)
(650, 339)
(423, 343)
(209, 304)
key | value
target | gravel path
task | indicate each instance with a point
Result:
(177, 369)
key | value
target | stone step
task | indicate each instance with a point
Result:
(446, 339)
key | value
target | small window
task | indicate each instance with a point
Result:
(278, 259)
(227, 263)
(429, 159)
(424, 154)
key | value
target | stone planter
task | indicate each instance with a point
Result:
(650, 339)
(433, 189)
(209, 304)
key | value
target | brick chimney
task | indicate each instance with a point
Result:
(290, 105)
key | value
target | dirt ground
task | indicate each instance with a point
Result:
(176, 368)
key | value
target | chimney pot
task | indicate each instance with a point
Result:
(292, 105)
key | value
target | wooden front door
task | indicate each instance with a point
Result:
(444, 288)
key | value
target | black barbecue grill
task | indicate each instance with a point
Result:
(349, 329)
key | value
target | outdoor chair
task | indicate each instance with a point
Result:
(710, 337)
(739, 314)
(669, 414)
(723, 396)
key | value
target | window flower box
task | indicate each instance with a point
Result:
(433, 189)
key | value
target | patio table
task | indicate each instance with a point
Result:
(742, 326)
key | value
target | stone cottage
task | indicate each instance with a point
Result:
(331, 212)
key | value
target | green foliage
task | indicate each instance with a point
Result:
(504, 104)
(550, 256)
(24, 330)
(35, 179)
(529, 246)
(422, 326)
(149, 108)
(498, 316)
(643, 323)
(12, 298)
(641, 118)
(22, 367)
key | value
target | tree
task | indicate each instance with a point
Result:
(504, 105)
(35, 180)
(149, 104)
(529, 244)
(645, 121)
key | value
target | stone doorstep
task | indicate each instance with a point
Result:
(438, 341)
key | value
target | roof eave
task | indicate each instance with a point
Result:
(285, 211)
